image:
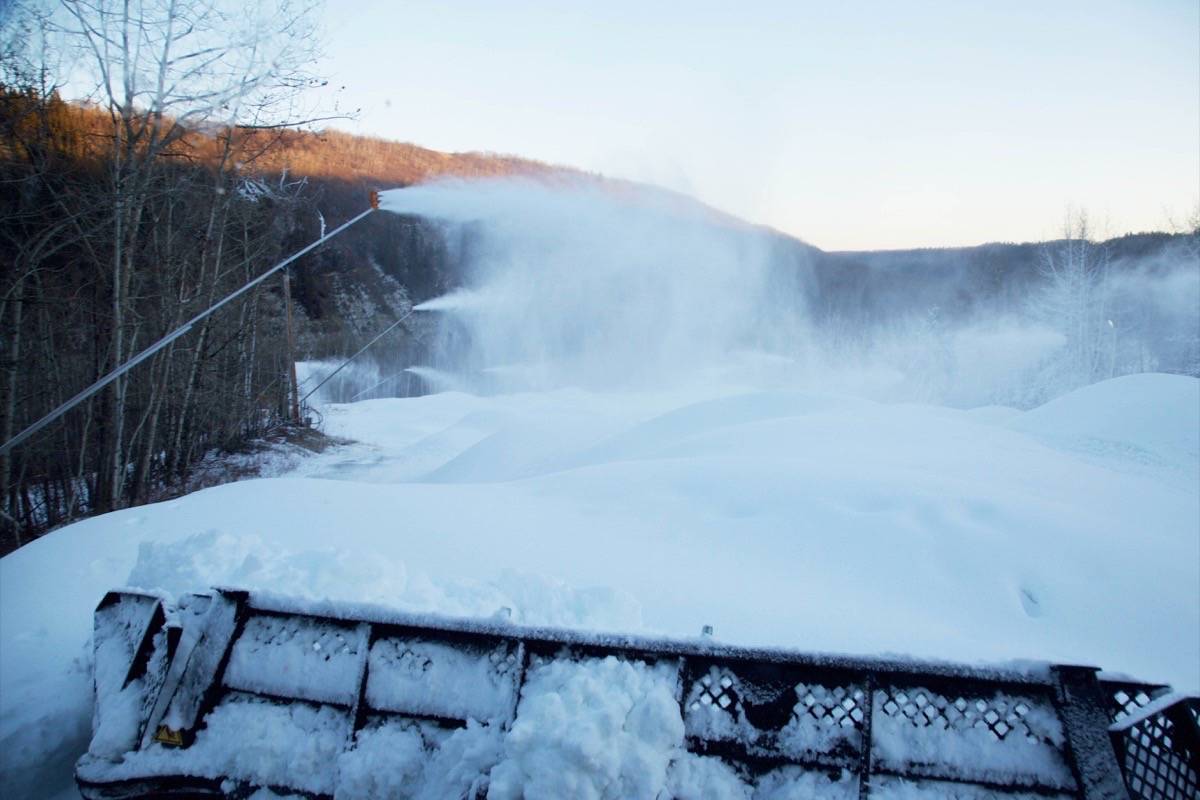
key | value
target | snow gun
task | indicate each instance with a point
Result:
(239, 694)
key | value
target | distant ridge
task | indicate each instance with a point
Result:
(344, 156)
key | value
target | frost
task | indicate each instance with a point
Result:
(1029, 750)
(294, 657)
(245, 738)
(429, 678)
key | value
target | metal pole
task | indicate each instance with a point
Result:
(291, 346)
(341, 366)
(375, 386)
(166, 340)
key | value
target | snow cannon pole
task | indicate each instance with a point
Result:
(180, 331)
(361, 350)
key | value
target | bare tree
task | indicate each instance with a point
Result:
(1074, 300)
(162, 68)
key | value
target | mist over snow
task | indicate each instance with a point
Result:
(639, 416)
(585, 284)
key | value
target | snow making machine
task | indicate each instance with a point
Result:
(239, 694)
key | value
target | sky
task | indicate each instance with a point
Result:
(851, 125)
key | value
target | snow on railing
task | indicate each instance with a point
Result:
(1159, 748)
(228, 692)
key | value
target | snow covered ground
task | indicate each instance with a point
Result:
(1070, 532)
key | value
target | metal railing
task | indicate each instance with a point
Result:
(1031, 730)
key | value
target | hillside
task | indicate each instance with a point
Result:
(274, 191)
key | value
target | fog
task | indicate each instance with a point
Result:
(591, 285)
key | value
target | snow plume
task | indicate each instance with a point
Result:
(596, 285)
(582, 286)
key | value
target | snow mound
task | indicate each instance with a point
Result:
(1152, 418)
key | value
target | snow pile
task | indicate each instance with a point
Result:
(401, 760)
(600, 728)
(694, 777)
(888, 788)
(245, 738)
(216, 558)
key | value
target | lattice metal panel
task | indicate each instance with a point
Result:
(1000, 716)
(715, 688)
(837, 706)
(1128, 698)
(1158, 762)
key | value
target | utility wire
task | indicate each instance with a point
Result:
(166, 340)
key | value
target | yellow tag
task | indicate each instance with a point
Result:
(167, 736)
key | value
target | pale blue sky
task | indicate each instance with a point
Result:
(853, 125)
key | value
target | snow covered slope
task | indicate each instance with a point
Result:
(1069, 533)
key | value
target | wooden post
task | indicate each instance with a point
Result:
(291, 346)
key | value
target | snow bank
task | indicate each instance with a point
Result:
(1143, 419)
(782, 518)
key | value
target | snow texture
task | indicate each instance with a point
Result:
(295, 657)
(402, 759)
(899, 789)
(120, 705)
(433, 679)
(1028, 752)
(246, 738)
(780, 517)
(596, 728)
(694, 777)
(712, 713)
